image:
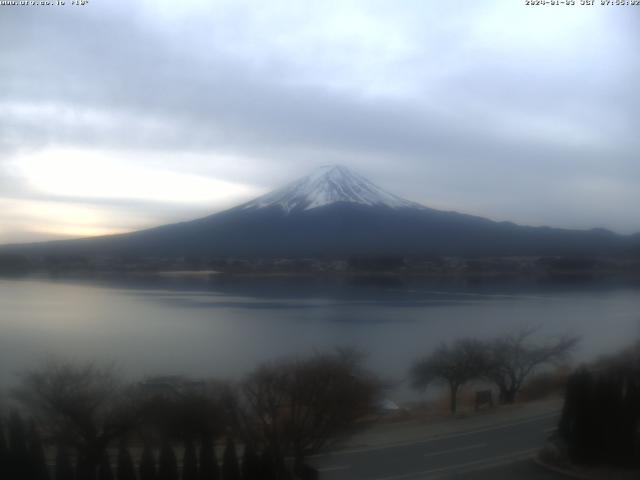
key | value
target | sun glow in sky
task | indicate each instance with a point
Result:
(89, 174)
(118, 116)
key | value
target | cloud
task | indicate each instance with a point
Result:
(458, 105)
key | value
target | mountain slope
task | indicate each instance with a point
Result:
(336, 212)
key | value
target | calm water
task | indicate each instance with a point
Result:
(225, 328)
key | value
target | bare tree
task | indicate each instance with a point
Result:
(454, 365)
(513, 357)
(298, 407)
(79, 405)
(181, 408)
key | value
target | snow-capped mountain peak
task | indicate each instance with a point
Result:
(329, 184)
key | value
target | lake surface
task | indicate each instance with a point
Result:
(217, 327)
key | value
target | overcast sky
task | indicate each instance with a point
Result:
(120, 115)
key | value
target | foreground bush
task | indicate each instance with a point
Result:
(600, 421)
(299, 407)
(284, 410)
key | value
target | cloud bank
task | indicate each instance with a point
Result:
(116, 117)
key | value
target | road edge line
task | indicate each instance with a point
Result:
(560, 470)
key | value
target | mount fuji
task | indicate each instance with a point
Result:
(337, 212)
(327, 185)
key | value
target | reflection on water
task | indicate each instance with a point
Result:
(220, 327)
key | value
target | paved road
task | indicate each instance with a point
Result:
(520, 470)
(500, 451)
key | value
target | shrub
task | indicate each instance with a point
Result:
(601, 416)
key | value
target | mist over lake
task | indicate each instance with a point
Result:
(216, 327)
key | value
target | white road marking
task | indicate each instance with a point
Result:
(333, 469)
(454, 450)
